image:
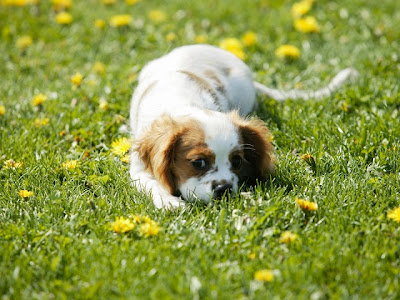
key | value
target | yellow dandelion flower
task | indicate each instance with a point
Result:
(131, 2)
(38, 99)
(25, 193)
(64, 18)
(306, 205)
(306, 25)
(103, 105)
(301, 8)
(157, 15)
(99, 23)
(99, 67)
(41, 122)
(149, 228)
(345, 106)
(108, 2)
(126, 158)
(394, 214)
(76, 79)
(249, 39)
(120, 20)
(135, 218)
(12, 164)
(264, 275)
(200, 39)
(122, 225)
(61, 4)
(288, 52)
(70, 165)
(24, 42)
(19, 3)
(2, 110)
(234, 46)
(171, 37)
(121, 146)
(308, 158)
(288, 237)
(252, 256)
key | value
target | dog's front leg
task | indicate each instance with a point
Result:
(145, 181)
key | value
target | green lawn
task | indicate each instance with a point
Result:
(60, 243)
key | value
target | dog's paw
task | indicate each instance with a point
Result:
(168, 202)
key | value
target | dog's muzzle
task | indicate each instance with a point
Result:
(220, 189)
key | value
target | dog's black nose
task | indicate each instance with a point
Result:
(219, 189)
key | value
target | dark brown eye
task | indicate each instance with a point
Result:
(236, 162)
(199, 164)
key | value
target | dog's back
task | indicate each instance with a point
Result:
(191, 78)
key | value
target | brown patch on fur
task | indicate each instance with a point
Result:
(203, 85)
(257, 148)
(168, 147)
(219, 86)
(189, 149)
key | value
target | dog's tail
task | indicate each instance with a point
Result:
(279, 95)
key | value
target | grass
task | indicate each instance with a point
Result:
(58, 243)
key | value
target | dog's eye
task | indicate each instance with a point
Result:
(236, 162)
(199, 164)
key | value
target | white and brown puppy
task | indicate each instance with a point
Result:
(192, 140)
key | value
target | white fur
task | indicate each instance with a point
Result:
(165, 88)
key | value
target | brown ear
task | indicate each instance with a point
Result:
(156, 149)
(258, 150)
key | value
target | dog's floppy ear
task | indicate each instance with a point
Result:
(156, 149)
(258, 150)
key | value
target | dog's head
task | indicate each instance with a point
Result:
(205, 156)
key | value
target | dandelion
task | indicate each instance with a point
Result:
(19, 3)
(306, 205)
(288, 52)
(120, 146)
(126, 159)
(394, 214)
(171, 37)
(64, 18)
(120, 20)
(41, 122)
(157, 15)
(308, 158)
(252, 256)
(249, 39)
(2, 110)
(38, 99)
(135, 218)
(76, 79)
(70, 165)
(264, 275)
(99, 67)
(301, 8)
(234, 46)
(24, 42)
(12, 164)
(149, 228)
(288, 237)
(122, 225)
(131, 2)
(61, 4)
(25, 193)
(306, 25)
(99, 23)
(200, 39)
(103, 105)
(345, 106)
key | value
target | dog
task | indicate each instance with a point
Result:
(192, 139)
